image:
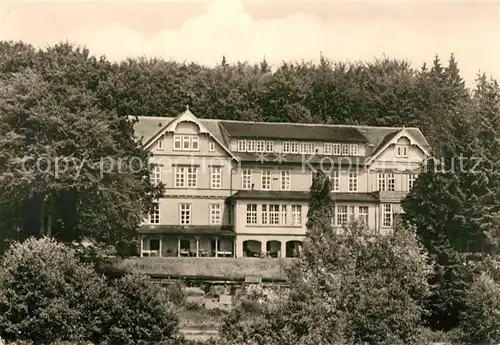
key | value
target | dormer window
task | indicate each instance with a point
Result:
(250, 145)
(353, 149)
(328, 149)
(345, 150)
(269, 146)
(242, 145)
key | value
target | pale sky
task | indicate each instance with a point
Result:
(278, 30)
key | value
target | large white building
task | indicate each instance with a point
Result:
(241, 188)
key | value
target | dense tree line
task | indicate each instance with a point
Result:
(62, 101)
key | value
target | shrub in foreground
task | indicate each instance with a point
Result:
(47, 294)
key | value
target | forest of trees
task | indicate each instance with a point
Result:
(61, 101)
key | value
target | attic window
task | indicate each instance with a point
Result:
(159, 144)
(401, 151)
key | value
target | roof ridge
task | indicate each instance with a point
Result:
(222, 121)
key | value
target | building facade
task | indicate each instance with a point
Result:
(240, 189)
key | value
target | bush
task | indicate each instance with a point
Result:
(481, 321)
(175, 292)
(140, 312)
(47, 294)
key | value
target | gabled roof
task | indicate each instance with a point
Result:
(292, 131)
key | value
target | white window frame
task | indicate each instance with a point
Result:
(402, 151)
(345, 149)
(353, 181)
(311, 148)
(328, 149)
(264, 215)
(269, 146)
(250, 145)
(303, 147)
(246, 179)
(285, 147)
(284, 215)
(251, 215)
(211, 146)
(335, 178)
(265, 179)
(156, 175)
(411, 181)
(177, 143)
(215, 214)
(195, 140)
(188, 143)
(154, 215)
(159, 143)
(186, 177)
(191, 177)
(353, 149)
(363, 212)
(391, 182)
(216, 177)
(341, 215)
(387, 216)
(285, 180)
(185, 214)
(260, 146)
(381, 182)
(294, 147)
(242, 145)
(297, 215)
(336, 149)
(274, 214)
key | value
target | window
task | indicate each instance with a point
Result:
(180, 177)
(285, 148)
(216, 178)
(386, 215)
(266, 180)
(159, 143)
(391, 182)
(215, 214)
(186, 143)
(341, 215)
(345, 150)
(311, 148)
(242, 145)
(192, 174)
(336, 149)
(195, 143)
(363, 214)
(269, 146)
(185, 214)
(296, 215)
(386, 182)
(154, 244)
(353, 149)
(246, 177)
(401, 151)
(177, 143)
(261, 146)
(156, 175)
(274, 214)
(411, 181)
(353, 182)
(251, 214)
(263, 214)
(154, 215)
(283, 215)
(251, 145)
(303, 148)
(186, 177)
(294, 147)
(381, 182)
(328, 149)
(334, 177)
(285, 179)
(211, 146)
